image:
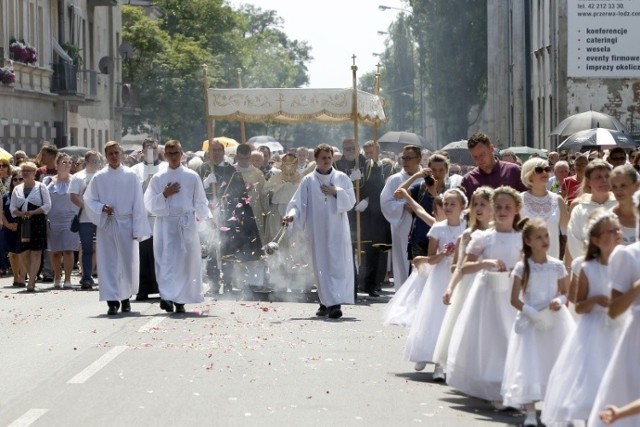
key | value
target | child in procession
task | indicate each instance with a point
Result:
(401, 309)
(576, 376)
(480, 217)
(539, 292)
(621, 380)
(480, 337)
(424, 331)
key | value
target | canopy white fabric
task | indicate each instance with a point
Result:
(293, 105)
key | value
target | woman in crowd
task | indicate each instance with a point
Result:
(596, 177)
(30, 203)
(10, 238)
(62, 241)
(624, 182)
(538, 202)
(570, 188)
(5, 184)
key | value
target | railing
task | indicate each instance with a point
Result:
(65, 79)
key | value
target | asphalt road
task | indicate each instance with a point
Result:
(64, 362)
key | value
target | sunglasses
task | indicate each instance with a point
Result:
(540, 169)
(4, 165)
(405, 158)
(17, 179)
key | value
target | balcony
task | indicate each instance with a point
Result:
(72, 85)
(29, 78)
(102, 3)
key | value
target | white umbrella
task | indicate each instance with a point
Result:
(597, 138)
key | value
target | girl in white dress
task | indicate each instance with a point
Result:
(423, 335)
(540, 285)
(480, 215)
(624, 182)
(480, 337)
(401, 309)
(575, 377)
(621, 380)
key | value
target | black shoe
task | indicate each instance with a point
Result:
(180, 308)
(335, 312)
(113, 307)
(86, 287)
(126, 306)
(166, 306)
(47, 279)
(142, 297)
(374, 294)
(322, 311)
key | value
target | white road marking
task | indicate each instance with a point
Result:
(151, 324)
(92, 369)
(29, 417)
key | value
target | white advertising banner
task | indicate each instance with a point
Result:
(603, 38)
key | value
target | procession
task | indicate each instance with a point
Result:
(221, 212)
(511, 301)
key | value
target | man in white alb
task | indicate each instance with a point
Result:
(113, 201)
(176, 197)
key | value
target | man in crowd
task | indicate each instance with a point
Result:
(433, 180)
(87, 230)
(617, 157)
(399, 214)
(176, 196)
(320, 207)
(113, 200)
(489, 170)
(560, 172)
(44, 173)
(144, 170)
(375, 230)
(301, 155)
(236, 236)
(267, 165)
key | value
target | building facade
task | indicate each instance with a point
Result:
(70, 91)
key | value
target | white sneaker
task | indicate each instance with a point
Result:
(420, 366)
(531, 420)
(438, 373)
(67, 285)
(497, 404)
(56, 284)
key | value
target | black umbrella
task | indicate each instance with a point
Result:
(395, 141)
(459, 153)
(74, 150)
(587, 120)
(597, 138)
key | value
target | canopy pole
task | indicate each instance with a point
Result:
(243, 135)
(209, 122)
(354, 113)
(376, 123)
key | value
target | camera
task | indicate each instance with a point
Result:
(429, 180)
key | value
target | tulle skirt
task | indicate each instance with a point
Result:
(401, 309)
(576, 376)
(621, 380)
(425, 328)
(458, 299)
(532, 353)
(480, 338)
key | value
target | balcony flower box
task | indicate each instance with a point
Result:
(7, 76)
(21, 51)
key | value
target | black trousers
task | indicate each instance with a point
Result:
(374, 266)
(148, 283)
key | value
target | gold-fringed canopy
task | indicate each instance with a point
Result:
(294, 105)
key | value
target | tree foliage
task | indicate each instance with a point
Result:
(452, 35)
(169, 52)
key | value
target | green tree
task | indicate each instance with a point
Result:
(452, 38)
(166, 70)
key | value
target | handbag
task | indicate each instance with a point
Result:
(25, 230)
(75, 222)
